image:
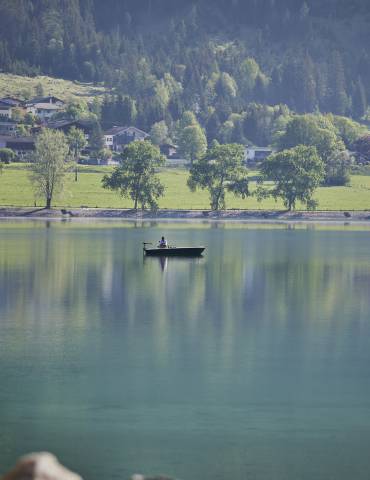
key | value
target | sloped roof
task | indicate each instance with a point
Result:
(12, 101)
(8, 139)
(46, 106)
(44, 100)
(122, 130)
(4, 105)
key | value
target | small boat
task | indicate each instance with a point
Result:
(173, 251)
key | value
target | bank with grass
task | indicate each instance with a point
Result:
(16, 191)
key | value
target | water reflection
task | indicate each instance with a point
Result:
(259, 350)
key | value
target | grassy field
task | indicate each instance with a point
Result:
(16, 190)
(18, 86)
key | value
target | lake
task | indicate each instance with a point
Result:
(250, 363)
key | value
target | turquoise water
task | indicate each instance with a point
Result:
(253, 362)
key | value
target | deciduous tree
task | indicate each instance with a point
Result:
(219, 171)
(136, 177)
(77, 142)
(192, 142)
(337, 169)
(159, 133)
(296, 174)
(6, 155)
(362, 149)
(51, 163)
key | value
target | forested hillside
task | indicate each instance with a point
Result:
(238, 64)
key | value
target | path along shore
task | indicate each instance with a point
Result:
(236, 215)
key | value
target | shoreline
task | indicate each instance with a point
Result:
(265, 216)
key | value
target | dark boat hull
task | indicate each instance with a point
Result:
(175, 252)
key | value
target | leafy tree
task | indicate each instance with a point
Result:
(219, 171)
(105, 154)
(77, 142)
(76, 110)
(188, 118)
(192, 142)
(18, 114)
(248, 73)
(136, 177)
(296, 174)
(51, 163)
(159, 133)
(23, 130)
(6, 155)
(348, 130)
(362, 149)
(337, 169)
(311, 130)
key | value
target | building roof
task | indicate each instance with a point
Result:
(47, 99)
(46, 106)
(86, 125)
(11, 101)
(4, 105)
(116, 130)
(16, 140)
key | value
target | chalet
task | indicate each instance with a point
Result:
(50, 100)
(65, 126)
(8, 127)
(5, 110)
(12, 101)
(255, 155)
(21, 146)
(117, 137)
(44, 107)
(169, 150)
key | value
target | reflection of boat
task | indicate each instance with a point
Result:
(173, 251)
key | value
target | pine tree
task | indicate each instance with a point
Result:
(359, 99)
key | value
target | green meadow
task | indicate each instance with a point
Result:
(16, 190)
(25, 87)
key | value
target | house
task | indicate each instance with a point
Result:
(169, 150)
(8, 127)
(65, 126)
(117, 137)
(12, 101)
(43, 111)
(21, 146)
(5, 110)
(255, 155)
(44, 107)
(50, 100)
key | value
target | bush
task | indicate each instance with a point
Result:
(337, 169)
(7, 155)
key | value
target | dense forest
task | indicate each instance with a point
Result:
(239, 65)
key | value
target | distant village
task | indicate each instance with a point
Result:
(22, 120)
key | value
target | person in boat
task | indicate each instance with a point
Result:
(162, 243)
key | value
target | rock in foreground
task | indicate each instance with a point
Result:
(40, 466)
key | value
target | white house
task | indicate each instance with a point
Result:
(117, 137)
(44, 107)
(5, 110)
(257, 154)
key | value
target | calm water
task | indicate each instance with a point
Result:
(251, 363)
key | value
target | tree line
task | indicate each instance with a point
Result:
(217, 59)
